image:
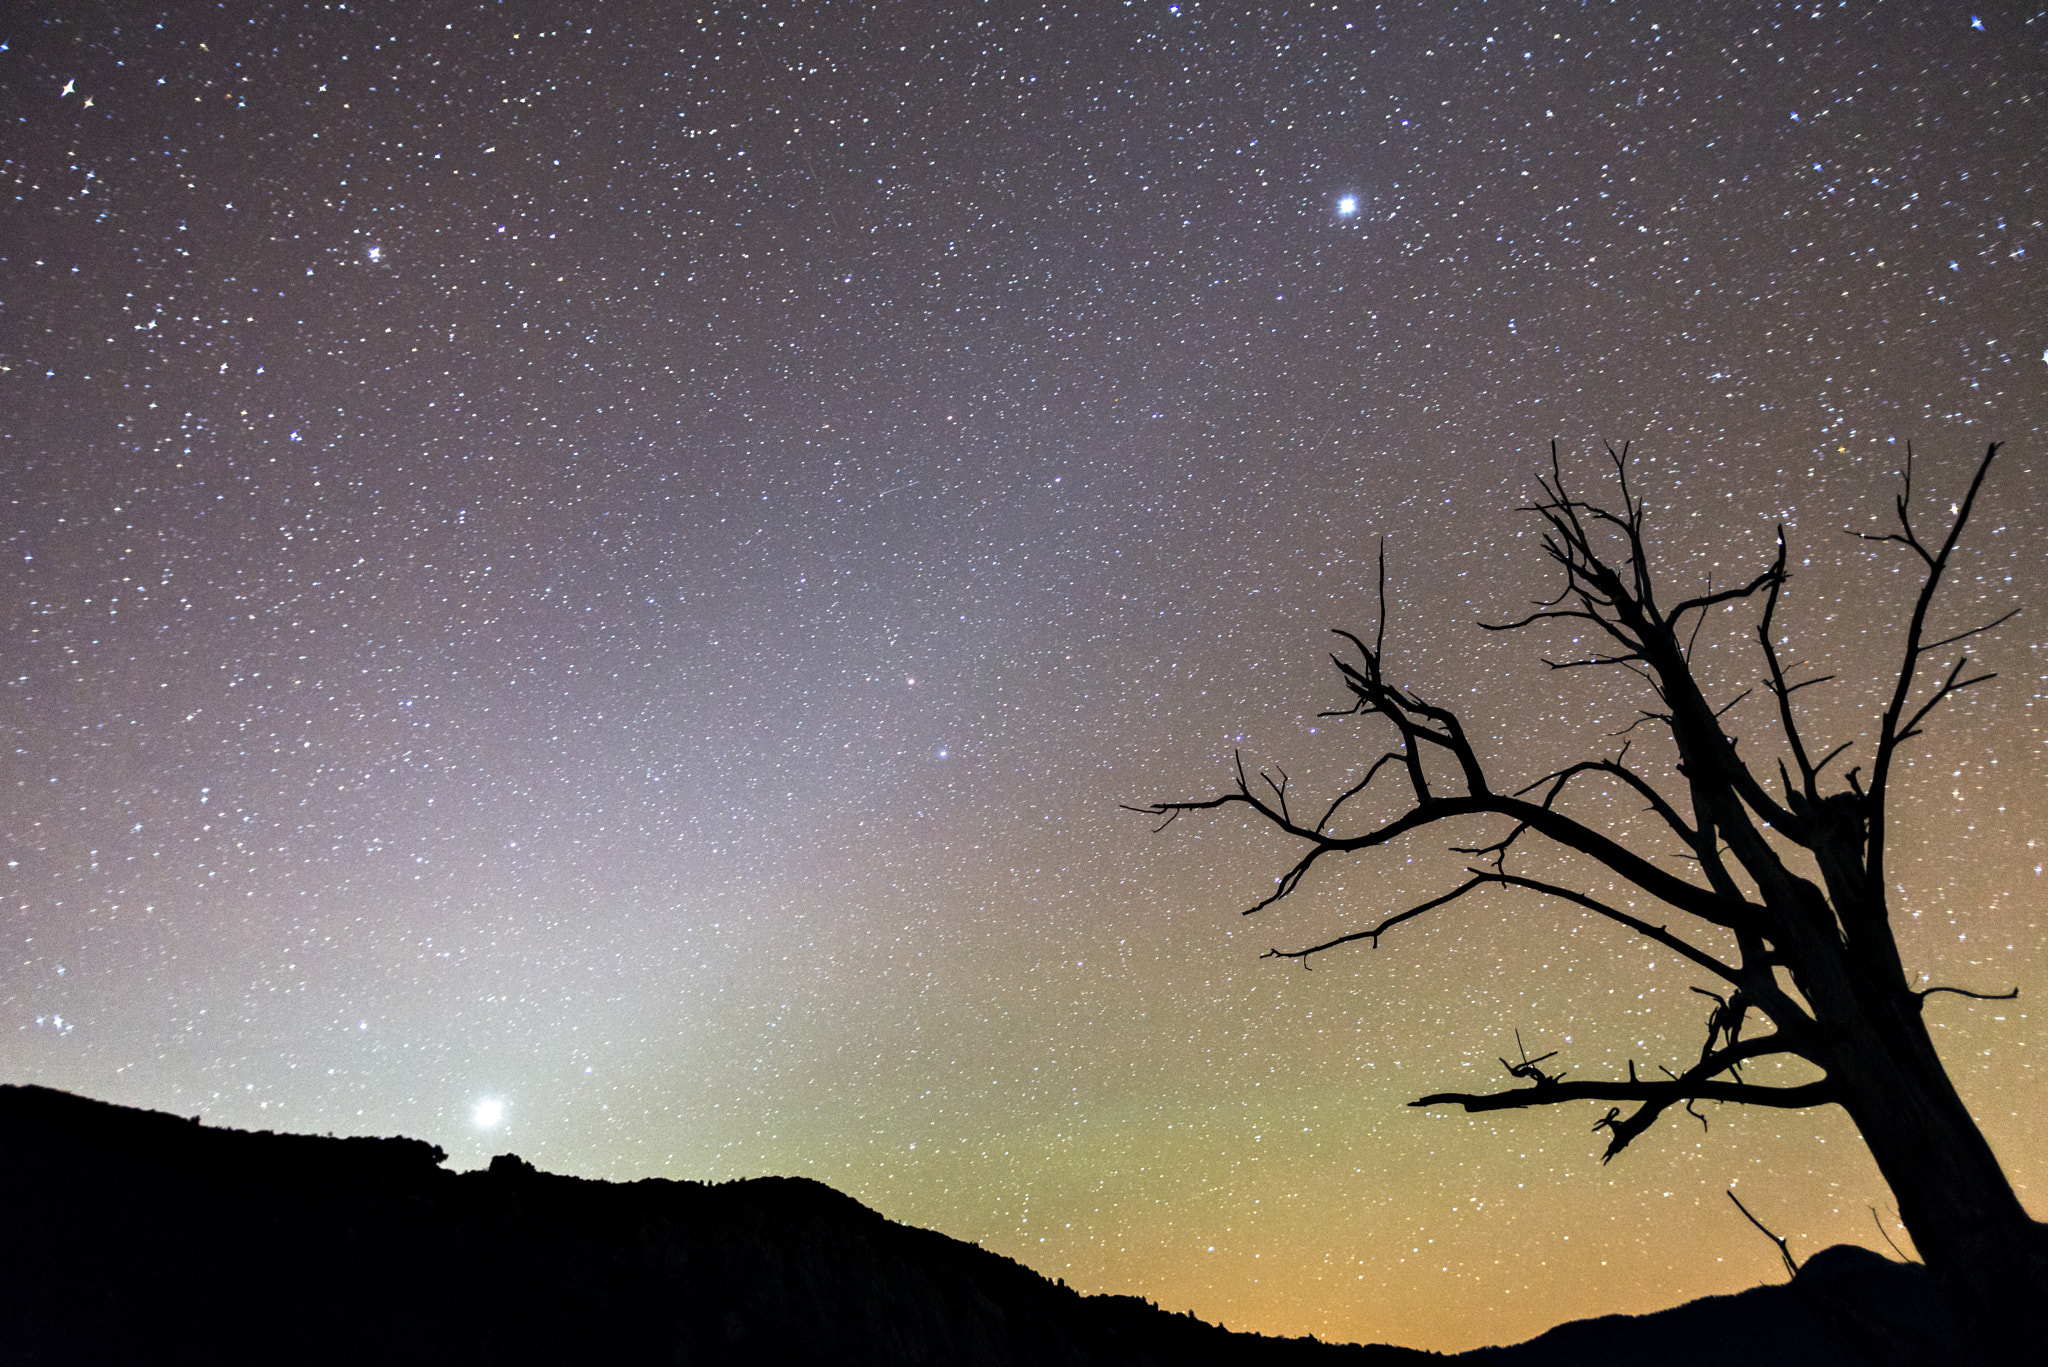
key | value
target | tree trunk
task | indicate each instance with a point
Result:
(1990, 1256)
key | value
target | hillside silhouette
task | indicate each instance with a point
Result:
(1847, 1307)
(143, 1237)
(139, 1236)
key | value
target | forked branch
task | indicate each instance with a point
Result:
(1891, 733)
(1701, 1082)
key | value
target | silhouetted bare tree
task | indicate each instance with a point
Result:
(1792, 879)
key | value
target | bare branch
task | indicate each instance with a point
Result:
(1641, 717)
(1482, 878)
(1658, 803)
(1697, 1083)
(1279, 792)
(1721, 908)
(1784, 1251)
(1808, 683)
(1548, 615)
(1641, 927)
(1593, 660)
(1948, 685)
(1887, 1236)
(1924, 993)
(1382, 928)
(1171, 811)
(1354, 790)
(1808, 771)
(1662, 1094)
(1830, 754)
(1697, 627)
(1498, 849)
(1379, 639)
(1890, 734)
(1991, 625)
(1532, 1068)
(1729, 706)
(1770, 579)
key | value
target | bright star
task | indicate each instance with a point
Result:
(1347, 206)
(488, 1113)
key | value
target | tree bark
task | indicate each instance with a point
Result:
(1990, 1256)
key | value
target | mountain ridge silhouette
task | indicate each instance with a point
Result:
(137, 1235)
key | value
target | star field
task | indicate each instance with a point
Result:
(589, 581)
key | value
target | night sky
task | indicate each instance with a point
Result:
(588, 581)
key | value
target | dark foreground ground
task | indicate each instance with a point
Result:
(136, 1237)
(1848, 1307)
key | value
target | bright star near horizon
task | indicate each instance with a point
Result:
(488, 1113)
(1347, 206)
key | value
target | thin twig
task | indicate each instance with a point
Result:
(1791, 1268)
